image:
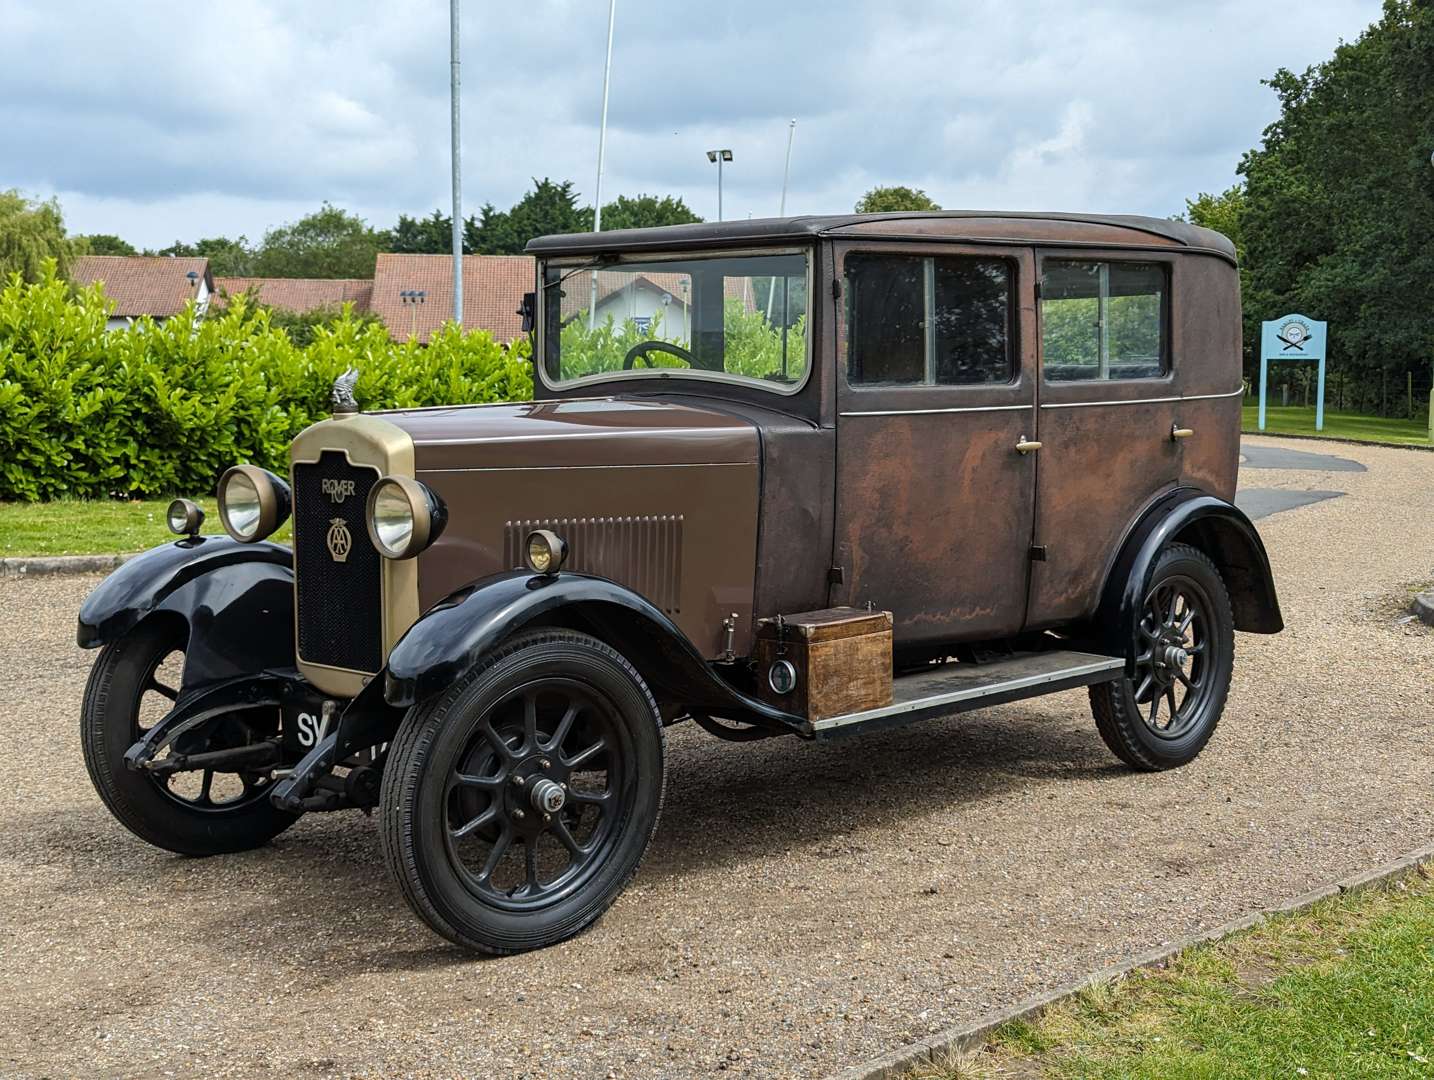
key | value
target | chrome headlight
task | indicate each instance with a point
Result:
(404, 517)
(253, 502)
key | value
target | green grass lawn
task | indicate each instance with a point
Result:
(1343, 990)
(1298, 420)
(86, 527)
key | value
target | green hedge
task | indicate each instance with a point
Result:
(160, 409)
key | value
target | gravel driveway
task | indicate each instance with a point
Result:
(802, 908)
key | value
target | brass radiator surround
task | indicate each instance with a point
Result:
(373, 442)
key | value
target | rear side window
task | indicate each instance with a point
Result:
(928, 321)
(1103, 320)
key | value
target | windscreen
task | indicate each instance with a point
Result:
(740, 317)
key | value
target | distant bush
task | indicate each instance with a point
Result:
(160, 409)
(304, 326)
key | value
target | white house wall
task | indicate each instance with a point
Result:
(640, 304)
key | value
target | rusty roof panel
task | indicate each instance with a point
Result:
(959, 225)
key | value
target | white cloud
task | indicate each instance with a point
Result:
(202, 120)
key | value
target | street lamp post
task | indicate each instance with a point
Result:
(457, 165)
(602, 152)
(782, 212)
(719, 156)
(787, 169)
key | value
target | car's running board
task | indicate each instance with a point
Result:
(956, 687)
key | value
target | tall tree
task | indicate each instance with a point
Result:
(227, 258)
(646, 212)
(1222, 213)
(549, 208)
(32, 231)
(1338, 220)
(432, 235)
(329, 243)
(895, 199)
(106, 244)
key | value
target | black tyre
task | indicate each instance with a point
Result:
(133, 684)
(517, 805)
(1166, 713)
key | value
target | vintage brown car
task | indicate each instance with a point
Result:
(806, 476)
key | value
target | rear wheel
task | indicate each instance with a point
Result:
(1164, 715)
(517, 805)
(133, 684)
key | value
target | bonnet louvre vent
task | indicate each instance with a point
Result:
(644, 553)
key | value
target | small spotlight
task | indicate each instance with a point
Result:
(184, 518)
(546, 552)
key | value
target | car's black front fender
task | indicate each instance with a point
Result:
(238, 600)
(456, 633)
(1219, 529)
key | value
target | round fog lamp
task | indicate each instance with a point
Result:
(547, 551)
(184, 517)
(253, 502)
(404, 517)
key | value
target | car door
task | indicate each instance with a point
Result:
(1108, 406)
(935, 390)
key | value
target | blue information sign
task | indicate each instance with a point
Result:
(1293, 337)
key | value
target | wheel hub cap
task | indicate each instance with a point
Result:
(1175, 656)
(547, 797)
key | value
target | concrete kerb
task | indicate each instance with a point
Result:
(964, 1038)
(50, 565)
(1423, 606)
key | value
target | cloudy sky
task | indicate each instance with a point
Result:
(170, 120)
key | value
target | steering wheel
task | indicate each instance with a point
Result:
(642, 348)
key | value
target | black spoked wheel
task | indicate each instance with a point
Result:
(133, 684)
(517, 805)
(1165, 714)
(1172, 682)
(529, 809)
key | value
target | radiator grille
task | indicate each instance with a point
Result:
(644, 553)
(339, 602)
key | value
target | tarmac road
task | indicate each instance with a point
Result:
(802, 908)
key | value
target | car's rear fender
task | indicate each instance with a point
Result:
(457, 632)
(237, 600)
(1219, 529)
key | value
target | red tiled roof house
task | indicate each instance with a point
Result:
(299, 295)
(153, 285)
(413, 294)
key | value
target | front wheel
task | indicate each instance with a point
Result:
(1163, 716)
(134, 682)
(516, 805)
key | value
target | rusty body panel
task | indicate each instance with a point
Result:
(1109, 447)
(934, 504)
(1210, 458)
(796, 507)
(1207, 325)
(957, 226)
(659, 496)
(1107, 454)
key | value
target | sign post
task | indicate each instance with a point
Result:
(1293, 337)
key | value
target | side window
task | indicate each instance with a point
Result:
(928, 321)
(1103, 320)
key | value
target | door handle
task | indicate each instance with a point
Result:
(1177, 432)
(1025, 446)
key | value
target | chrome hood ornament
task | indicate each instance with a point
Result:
(342, 395)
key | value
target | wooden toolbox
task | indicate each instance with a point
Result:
(819, 664)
